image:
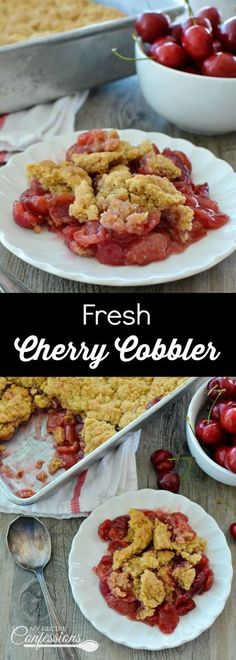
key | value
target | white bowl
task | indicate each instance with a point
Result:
(203, 460)
(87, 550)
(200, 104)
(227, 7)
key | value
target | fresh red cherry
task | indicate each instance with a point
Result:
(169, 481)
(158, 42)
(209, 432)
(197, 20)
(190, 69)
(230, 459)
(219, 406)
(228, 419)
(220, 65)
(227, 35)
(232, 440)
(232, 530)
(176, 32)
(213, 15)
(217, 46)
(220, 453)
(170, 54)
(197, 41)
(165, 466)
(227, 385)
(152, 25)
(161, 455)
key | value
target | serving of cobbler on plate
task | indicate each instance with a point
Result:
(153, 567)
(120, 204)
(73, 416)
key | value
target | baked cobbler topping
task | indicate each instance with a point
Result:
(154, 565)
(82, 413)
(119, 203)
(27, 19)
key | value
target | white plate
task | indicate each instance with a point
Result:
(87, 550)
(48, 252)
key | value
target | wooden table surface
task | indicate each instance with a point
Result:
(121, 105)
(21, 601)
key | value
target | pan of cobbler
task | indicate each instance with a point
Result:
(53, 49)
(54, 428)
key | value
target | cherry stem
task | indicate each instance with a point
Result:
(190, 425)
(181, 458)
(215, 389)
(215, 400)
(190, 11)
(228, 506)
(190, 460)
(129, 59)
(189, 468)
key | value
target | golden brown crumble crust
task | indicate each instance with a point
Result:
(104, 403)
(152, 574)
(105, 188)
(25, 19)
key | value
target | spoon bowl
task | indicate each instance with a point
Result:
(29, 543)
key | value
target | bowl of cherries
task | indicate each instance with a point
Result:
(211, 428)
(187, 71)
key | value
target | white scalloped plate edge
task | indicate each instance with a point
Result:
(38, 250)
(119, 628)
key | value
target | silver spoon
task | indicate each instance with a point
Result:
(29, 543)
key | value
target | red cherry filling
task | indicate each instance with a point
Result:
(25, 218)
(168, 618)
(69, 447)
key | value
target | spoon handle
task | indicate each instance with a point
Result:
(62, 652)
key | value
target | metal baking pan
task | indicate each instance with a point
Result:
(58, 480)
(46, 68)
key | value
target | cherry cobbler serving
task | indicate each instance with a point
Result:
(154, 566)
(81, 414)
(118, 203)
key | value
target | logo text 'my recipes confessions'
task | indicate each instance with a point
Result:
(38, 637)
